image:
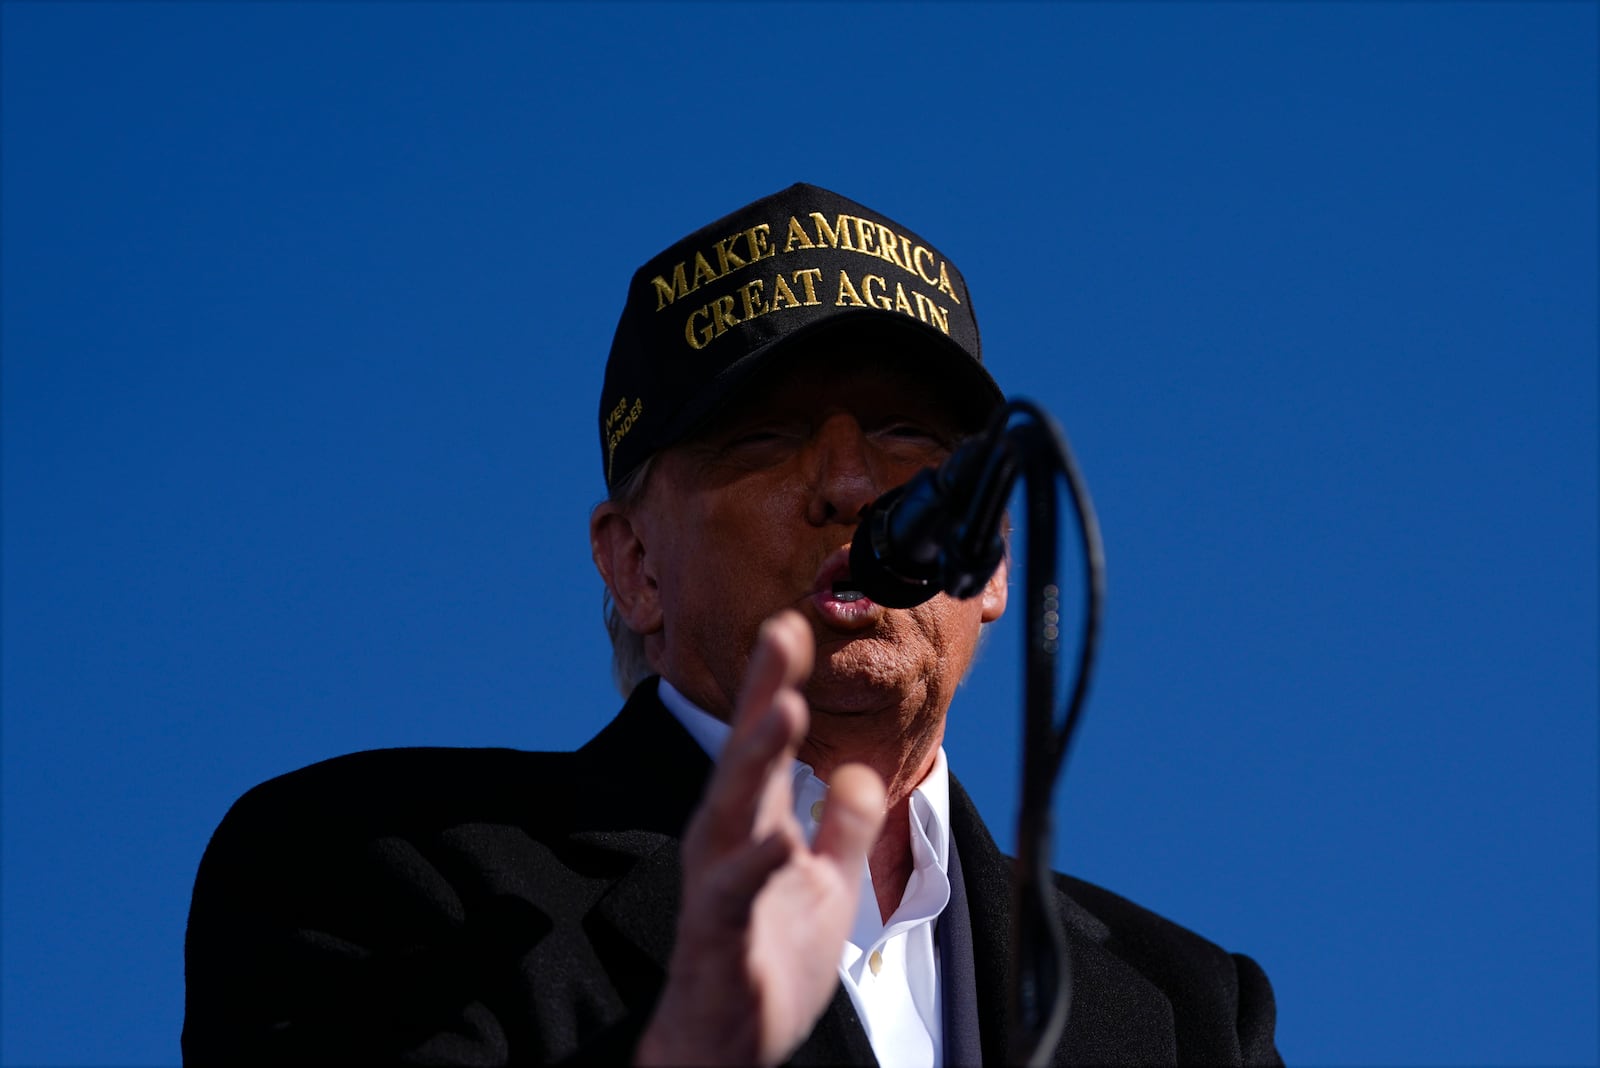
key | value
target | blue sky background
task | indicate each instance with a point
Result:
(304, 313)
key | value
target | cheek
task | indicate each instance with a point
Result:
(751, 526)
(953, 626)
(733, 558)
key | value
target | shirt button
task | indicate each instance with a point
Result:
(875, 962)
(816, 811)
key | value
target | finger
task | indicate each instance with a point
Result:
(761, 730)
(851, 818)
(780, 660)
(751, 781)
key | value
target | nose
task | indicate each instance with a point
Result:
(843, 480)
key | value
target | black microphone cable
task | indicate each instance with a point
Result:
(1041, 972)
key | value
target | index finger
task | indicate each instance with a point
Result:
(781, 659)
(770, 719)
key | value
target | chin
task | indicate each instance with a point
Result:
(845, 684)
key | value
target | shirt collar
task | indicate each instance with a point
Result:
(703, 727)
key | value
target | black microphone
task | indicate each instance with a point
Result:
(940, 532)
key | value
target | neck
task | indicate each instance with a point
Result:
(902, 760)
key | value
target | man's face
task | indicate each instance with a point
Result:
(756, 514)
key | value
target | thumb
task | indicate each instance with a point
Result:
(852, 817)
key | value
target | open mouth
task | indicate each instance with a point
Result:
(844, 591)
(838, 596)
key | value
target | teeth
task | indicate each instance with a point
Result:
(848, 595)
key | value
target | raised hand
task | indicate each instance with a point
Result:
(764, 916)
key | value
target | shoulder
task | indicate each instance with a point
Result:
(364, 820)
(1221, 1002)
(1128, 927)
(392, 794)
(423, 788)
(641, 772)
(405, 785)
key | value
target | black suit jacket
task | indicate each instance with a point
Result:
(485, 906)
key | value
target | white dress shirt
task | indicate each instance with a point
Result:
(890, 970)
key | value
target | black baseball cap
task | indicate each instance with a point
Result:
(711, 310)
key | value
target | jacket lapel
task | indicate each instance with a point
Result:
(987, 875)
(958, 978)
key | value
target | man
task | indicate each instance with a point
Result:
(764, 857)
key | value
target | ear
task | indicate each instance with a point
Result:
(994, 592)
(619, 555)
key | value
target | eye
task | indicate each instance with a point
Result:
(912, 432)
(755, 436)
(911, 436)
(759, 443)
(749, 437)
